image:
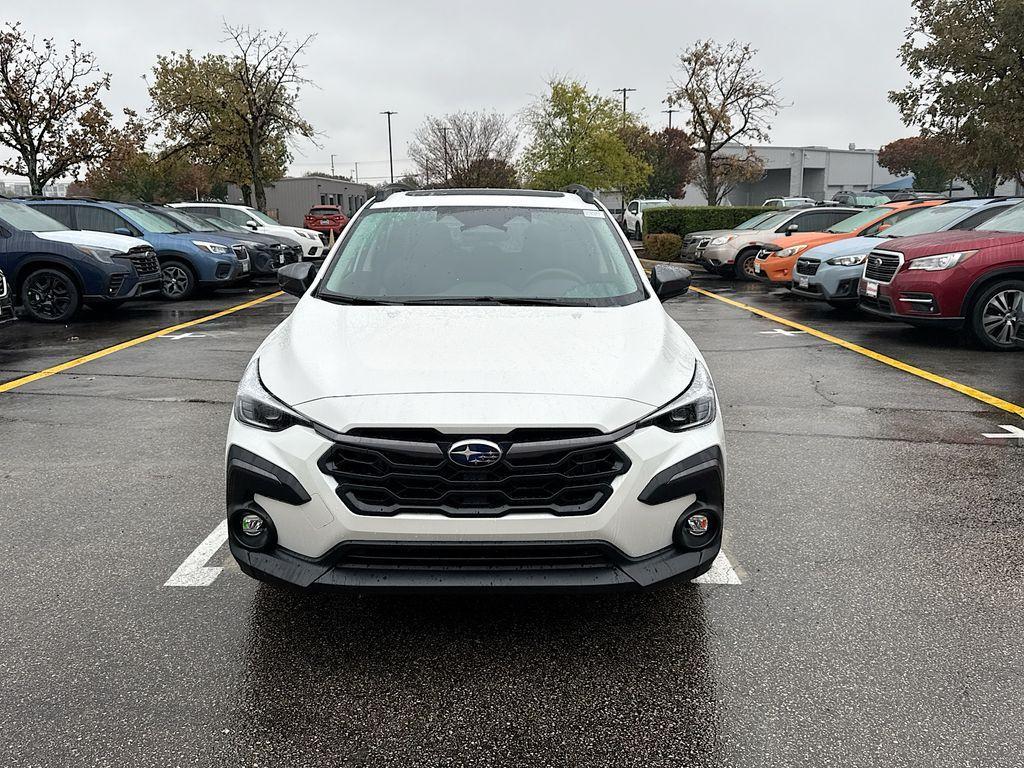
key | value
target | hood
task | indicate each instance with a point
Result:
(122, 243)
(477, 365)
(945, 242)
(851, 246)
(810, 239)
(715, 232)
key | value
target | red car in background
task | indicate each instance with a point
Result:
(959, 279)
(326, 219)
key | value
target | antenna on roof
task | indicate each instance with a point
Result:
(583, 193)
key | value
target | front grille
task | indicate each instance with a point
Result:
(382, 476)
(144, 260)
(473, 555)
(879, 304)
(882, 265)
(807, 266)
(240, 252)
(3, 286)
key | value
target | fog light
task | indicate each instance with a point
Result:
(697, 524)
(252, 525)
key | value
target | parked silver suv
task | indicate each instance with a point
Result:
(733, 253)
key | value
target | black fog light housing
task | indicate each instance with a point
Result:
(699, 526)
(250, 527)
(223, 271)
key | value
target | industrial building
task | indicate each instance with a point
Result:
(290, 198)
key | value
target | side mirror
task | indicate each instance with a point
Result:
(670, 281)
(123, 231)
(791, 229)
(252, 224)
(296, 278)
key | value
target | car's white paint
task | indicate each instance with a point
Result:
(631, 220)
(121, 243)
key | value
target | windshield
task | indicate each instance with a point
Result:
(648, 204)
(188, 221)
(148, 221)
(858, 220)
(776, 219)
(260, 216)
(499, 254)
(924, 220)
(225, 225)
(1010, 220)
(21, 217)
(755, 222)
(871, 199)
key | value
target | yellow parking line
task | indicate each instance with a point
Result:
(131, 343)
(942, 381)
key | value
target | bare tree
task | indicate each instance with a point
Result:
(729, 102)
(239, 109)
(51, 114)
(453, 150)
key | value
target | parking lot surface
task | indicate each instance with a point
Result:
(871, 614)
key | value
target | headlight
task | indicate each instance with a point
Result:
(210, 247)
(942, 261)
(694, 408)
(255, 406)
(305, 234)
(785, 253)
(100, 254)
(847, 261)
(722, 240)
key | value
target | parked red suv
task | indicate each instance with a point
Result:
(972, 280)
(326, 219)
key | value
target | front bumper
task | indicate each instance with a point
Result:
(829, 283)
(626, 544)
(917, 301)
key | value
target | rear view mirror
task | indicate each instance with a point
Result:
(296, 278)
(669, 281)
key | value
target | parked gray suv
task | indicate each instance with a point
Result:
(732, 253)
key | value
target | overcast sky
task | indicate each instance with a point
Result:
(835, 62)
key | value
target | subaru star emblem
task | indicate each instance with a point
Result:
(474, 453)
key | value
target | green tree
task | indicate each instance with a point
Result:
(51, 114)
(966, 67)
(932, 161)
(670, 157)
(239, 109)
(730, 102)
(577, 137)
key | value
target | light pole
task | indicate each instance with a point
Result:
(624, 91)
(670, 112)
(444, 137)
(391, 157)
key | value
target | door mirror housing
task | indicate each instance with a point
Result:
(296, 278)
(123, 231)
(669, 281)
(791, 229)
(252, 224)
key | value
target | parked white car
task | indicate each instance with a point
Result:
(478, 391)
(245, 216)
(633, 216)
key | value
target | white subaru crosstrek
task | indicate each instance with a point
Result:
(479, 389)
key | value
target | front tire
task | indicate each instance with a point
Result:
(995, 314)
(637, 234)
(50, 295)
(178, 281)
(744, 266)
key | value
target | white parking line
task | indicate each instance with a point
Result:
(1012, 433)
(721, 572)
(194, 572)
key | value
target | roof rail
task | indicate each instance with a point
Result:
(385, 191)
(583, 193)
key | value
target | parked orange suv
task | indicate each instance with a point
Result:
(779, 254)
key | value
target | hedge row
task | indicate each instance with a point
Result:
(681, 221)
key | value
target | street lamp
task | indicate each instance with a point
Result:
(391, 157)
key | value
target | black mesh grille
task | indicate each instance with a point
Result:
(568, 479)
(882, 266)
(144, 260)
(807, 266)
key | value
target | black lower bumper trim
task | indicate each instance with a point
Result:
(398, 567)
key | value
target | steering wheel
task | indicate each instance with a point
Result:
(555, 272)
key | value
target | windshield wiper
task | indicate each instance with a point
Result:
(339, 298)
(511, 301)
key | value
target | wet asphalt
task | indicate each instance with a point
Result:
(877, 535)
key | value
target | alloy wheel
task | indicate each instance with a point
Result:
(1001, 314)
(48, 295)
(175, 280)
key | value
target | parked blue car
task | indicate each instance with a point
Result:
(6, 301)
(188, 261)
(832, 272)
(53, 270)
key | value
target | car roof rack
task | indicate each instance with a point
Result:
(384, 192)
(484, 191)
(583, 193)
